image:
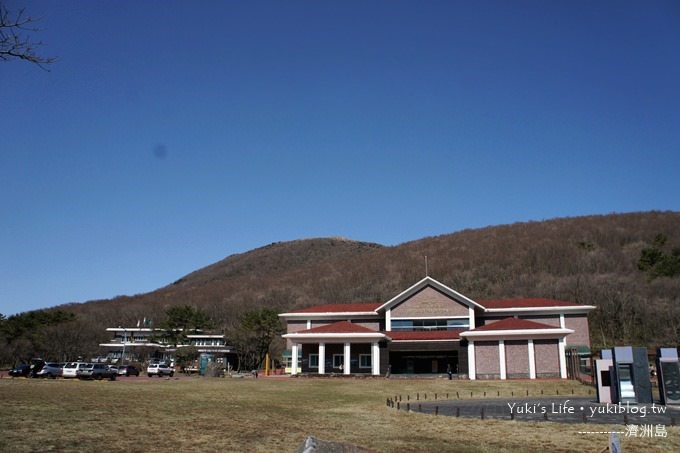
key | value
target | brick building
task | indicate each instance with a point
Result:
(431, 328)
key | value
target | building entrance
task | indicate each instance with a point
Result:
(430, 362)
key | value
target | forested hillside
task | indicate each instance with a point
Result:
(592, 260)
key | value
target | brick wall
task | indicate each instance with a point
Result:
(549, 320)
(373, 325)
(547, 358)
(429, 302)
(517, 359)
(486, 359)
(579, 323)
(482, 321)
(293, 327)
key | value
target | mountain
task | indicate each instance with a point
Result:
(589, 260)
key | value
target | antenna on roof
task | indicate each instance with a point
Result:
(426, 274)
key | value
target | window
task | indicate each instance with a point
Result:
(338, 360)
(365, 361)
(402, 324)
(429, 324)
(314, 360)
(457, 323)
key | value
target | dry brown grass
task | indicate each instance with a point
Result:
(275, 414)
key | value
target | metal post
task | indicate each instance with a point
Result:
(122, 357)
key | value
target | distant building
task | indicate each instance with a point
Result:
(431, 328)
(137, 343)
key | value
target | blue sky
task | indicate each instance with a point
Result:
(171, 134)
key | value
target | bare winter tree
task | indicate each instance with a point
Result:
(15, 38)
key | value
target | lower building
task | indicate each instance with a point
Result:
(430, 328)
(143, 343)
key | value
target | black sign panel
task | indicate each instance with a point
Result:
(669, 375)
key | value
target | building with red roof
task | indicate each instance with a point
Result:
(430, 328)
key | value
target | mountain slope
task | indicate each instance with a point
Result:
(590, 260)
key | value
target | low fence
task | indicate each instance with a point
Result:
(481, 394)
(544, 405)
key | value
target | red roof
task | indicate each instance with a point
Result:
(340, 308)
(425, 335)
(340, 327)
(514, 324)
(525, 303)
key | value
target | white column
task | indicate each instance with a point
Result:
(471, 361)
(532, 360)
(563, 359)
(346, 364)
(388, 320)
(294, 363)
(501, 359)
(322, 358)
(471, 315)
(309, 324)
(375, 359)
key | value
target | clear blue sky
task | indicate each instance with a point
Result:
(171, 134)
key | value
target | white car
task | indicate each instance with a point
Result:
(50, 370)
(70, 369)
(159, 369)
(96, 371)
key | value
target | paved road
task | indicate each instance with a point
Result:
(562, 410)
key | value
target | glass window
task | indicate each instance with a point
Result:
(314, 360)
(402, 324)
(365, 361)
(457, 323)
(429, 324)
(338, 360)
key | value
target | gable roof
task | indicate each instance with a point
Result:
(534, 306)
(339, 308)
(340, 327)
(526, 303)
(514, 328)
(513, 324)
(422, 284)
(337, 332)
(334, 311)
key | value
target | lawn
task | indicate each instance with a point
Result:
(277, 414)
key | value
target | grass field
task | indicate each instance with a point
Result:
(277, 414)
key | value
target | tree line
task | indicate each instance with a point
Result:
(597, 260)
(54, 335)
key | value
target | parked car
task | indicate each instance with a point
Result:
(36, 366)
(128, 370)
(96, 371)
(50, 370)
(70, 369)
(21, 370)
(159, 369)
(113, 368)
